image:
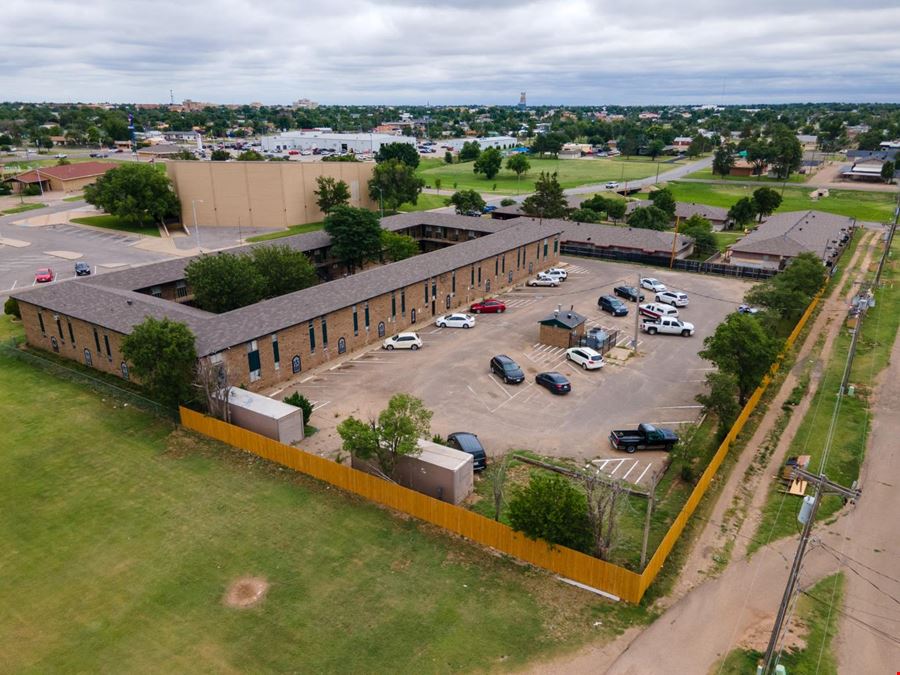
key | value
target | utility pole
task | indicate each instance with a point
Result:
(823, 487)
(637, 315)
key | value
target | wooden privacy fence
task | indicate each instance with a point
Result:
(566, 562)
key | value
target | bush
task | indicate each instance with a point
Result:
(11, 307)
(507, 201)
(300, 401)
(31, 190)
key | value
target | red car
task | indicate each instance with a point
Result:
(43, 275)
(487, 307)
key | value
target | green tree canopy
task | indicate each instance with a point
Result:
(552, 509)
(585, 216)
(518, 164)
(489, 163)
(163, 356)
(664, 200)
(250, 156)
(355, 234)
(331, 192)
(655, 148)
(888, 169)
(405, 152)
(721, 399)
(222, 282)
(135, 192)
(785, 151)
(283, 269)
(467, 202)
(396, 183)
(597, 203)
(548, 200)
(615, 209)
(649, 218)
(548, 143)
(397, 246)
(765, 201)
(789, 292)
(723, 160)
(448, 157)
(469, 151)
(699, 229)
(742, 212)
(220, 155)
(741, 347)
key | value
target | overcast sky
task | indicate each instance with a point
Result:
(450, 51)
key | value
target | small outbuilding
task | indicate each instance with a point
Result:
(265, 416)
(563, 328)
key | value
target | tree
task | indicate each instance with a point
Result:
(250, 156)
(548, 143)
(134, 192)
(467, 202)
(298, 400)
(186, 155)
(62, 161)
(395, 434)
(758, 155)
(220, 155)
(395, 183)
(212, 380)
(282, 269)
(497, 473)
(163, 356)
(765, 201)
(723, 160)
(489, 163)
(222, 282)
(405, 152)
(397, 246)
(699, 229)
(615, 209)
(597, 203)
(720, 399)
(742, 212)
(448, 157)
(603, 497)
(585, 216)
(785, 152)
(787, 294)
(664, 201)
(742, 347)
(340, 158)
(655, 148)
(552, 509)
(649, 218)
(469, 151)
(437, 185)
(331, 192)
(11, 307)
(355, 234)
(887, 171)
(519, 165)
(548, 200)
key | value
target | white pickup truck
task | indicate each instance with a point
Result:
(667, 326)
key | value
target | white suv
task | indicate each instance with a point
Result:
(402, 341)
(557, 273)
(587, 358)
(673, 298)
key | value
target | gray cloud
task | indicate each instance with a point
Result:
(407, 51)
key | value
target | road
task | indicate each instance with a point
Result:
(671, 174)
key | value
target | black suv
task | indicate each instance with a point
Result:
(629, 293)
(613, 305)
(82, 269)
(507, 369)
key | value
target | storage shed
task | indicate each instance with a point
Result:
(265, 416)
(563, 328)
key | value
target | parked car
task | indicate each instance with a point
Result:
(467, 442)
(455, 321)
(611, 184)
(655, 310)
(82, 269)
(402, 341)
(490, 208)
(667, 326)
(587, 358)
(542, 280)
(487, 307)
(645, 437)
(555, 382)
(44, 275)
(557, 272)
(611, 304)
(652, 284)
(508, 370)
(629, 293)
(675, 298)
(747, 309)
(61, 156)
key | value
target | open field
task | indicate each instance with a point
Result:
(115, 223)
(707, 174)
(121, 536)
(725, 239)
(873, 206)
(426, 202)
(290, 231)
(22, 209)
(572, 173)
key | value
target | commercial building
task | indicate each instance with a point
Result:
(66, 178)
(86, 318)
(484, 142)
(358, 144)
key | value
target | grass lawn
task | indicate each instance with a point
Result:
(115, 223)
(874, 206)
(572, 173)
(121, 535)
(725, 239)
(22, 209)
(820, 623)
(852, 425)
(292, 230)
(426, 202)
(707, 174)
(74, 198)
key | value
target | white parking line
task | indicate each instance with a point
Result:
(646, 469)
(475, 394)
(500, 386)
(677, 407)
(530, 385)
(307, 379)
(318, 406)
(630, 470)
(618, 466)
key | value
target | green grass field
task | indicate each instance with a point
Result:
(426, 202)
(726, 239)
(293, 229)
(572, 173)
(707, 174)
(22, 209)
(874, 206)
(115, 223)
(122, 534)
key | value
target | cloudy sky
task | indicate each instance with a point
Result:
(451, 51)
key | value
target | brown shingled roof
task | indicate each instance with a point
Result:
(66, 172)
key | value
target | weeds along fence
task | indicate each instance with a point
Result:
(568, 563)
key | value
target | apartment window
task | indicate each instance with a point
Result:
(156, 291)
(479, 275)
(59, 328)
(106, 344)
(97, 340)
(433, 289)
(453, 282)
(276, 355)
(402, 303)
(71, 332)
(496, 265)
(503, 265)
(556, 245)
(355, 321)
(537, 251)
(393, 306)
(426, 292)
(180, 290)
(253, 362)
(472, 280)
(324, 334)
(545, 249)
(366, 314)
(41, 322)
(312, 338)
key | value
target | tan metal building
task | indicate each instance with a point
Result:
(261, 194)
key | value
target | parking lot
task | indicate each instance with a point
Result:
(451, 373)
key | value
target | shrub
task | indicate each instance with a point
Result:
(507, 201)
(299, 400)
(11, 307)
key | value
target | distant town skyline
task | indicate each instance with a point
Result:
(398, 52)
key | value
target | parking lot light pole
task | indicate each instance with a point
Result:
(196, 229)
(380, 200)
(637, 315)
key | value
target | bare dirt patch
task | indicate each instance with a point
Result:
(246, 592)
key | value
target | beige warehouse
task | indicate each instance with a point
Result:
(261, 194)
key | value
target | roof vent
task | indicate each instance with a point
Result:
(128, 302)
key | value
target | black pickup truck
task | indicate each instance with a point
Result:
(645, 437)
